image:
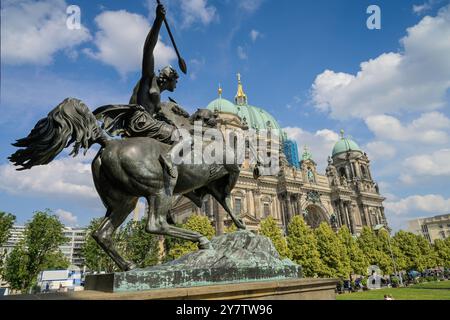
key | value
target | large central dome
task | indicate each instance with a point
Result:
(255, 117)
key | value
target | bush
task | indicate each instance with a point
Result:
(395, 282)
(364, 282)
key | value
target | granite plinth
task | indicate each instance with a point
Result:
(238, 257)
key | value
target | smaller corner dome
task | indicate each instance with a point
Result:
(345, 145)
(222, 105)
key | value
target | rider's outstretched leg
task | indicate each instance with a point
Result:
(172, 158)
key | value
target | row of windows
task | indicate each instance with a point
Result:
(238, 207)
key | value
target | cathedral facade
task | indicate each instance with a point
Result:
(345, 194)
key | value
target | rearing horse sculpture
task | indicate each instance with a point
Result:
(125, 170)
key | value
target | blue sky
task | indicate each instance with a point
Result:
(313, 64)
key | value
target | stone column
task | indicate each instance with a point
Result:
(358, 169)
(366, 216)
(283, 216)
(288, 206)
(337, 213)
(257, 198)
(348, 206)
(278, 208)
(342, 213)
(368, 172)
(292, 205)
(347, 172)
(273, 207)
(244, 202)
(353, 166)
(251, 203)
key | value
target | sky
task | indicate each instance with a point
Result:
(313, 64)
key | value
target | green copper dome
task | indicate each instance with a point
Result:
(345, 145)
(256, 118)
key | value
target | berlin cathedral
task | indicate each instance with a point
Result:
(346, 194)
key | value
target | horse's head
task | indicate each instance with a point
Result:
(208, 117)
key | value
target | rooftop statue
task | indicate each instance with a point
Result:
(140, 163)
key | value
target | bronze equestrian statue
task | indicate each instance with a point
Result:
(139, 164)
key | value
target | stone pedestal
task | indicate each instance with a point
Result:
(235, 258)
(294, 289)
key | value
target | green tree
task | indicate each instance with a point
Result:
(200, 224)
(358, 261)
(373, 250)
(42, 238)
(332, 252)
(303, 247)
(442, 252)
(407, 243)
(232, 228)
(94, 257)
(270, 229)
(56, 261)
(15, 271)
(427, 258)
(6, 223)
(139, 246)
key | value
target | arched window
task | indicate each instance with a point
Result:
(266, 212)
(237, 205)
(363, 171)
(342, 172)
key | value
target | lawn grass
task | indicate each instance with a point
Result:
(439, 290)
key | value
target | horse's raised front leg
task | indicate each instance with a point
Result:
(158, 206)
(104, 233)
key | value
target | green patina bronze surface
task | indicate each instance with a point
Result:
(236, 257)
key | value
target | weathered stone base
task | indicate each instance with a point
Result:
(238, 257)
(140, 280)
(298, 289)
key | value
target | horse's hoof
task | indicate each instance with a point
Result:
(241, 225)
(204, 244)
(130, 266)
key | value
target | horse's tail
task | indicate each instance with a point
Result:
(70, 122)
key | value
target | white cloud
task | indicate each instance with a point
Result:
(241, 53)
(380, 150)
(430, 203)
(430, 128)
(420, 9)
(197, 10)
(435, 164)
(320, 143)
(195, 66)
(254, 35)
(33, 32)
(415, 79)
(68, 218)
(250, 5)
(67, 177)
(120, 41)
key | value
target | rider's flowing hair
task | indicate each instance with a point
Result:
(70, 122)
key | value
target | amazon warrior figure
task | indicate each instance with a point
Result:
(143, 116)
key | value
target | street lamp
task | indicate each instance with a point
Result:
(379, 227)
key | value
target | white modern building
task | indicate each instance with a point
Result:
(71, 249)
(432, 228)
